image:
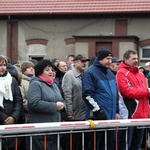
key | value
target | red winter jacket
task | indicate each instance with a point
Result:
(133, 92)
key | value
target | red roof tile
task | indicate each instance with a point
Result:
(73, 6)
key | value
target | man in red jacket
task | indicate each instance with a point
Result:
(133, 100)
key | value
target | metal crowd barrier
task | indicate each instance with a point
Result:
(20, 130)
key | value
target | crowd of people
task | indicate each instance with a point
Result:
(75, 89)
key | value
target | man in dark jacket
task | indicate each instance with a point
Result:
(100, 95)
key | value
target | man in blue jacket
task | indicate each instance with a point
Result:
(100, 95)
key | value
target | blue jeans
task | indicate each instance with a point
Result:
(135, 138)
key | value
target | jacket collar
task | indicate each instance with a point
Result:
(130, 68)
(75, 72)
(100, 66)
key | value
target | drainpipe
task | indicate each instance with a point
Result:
(9, 38)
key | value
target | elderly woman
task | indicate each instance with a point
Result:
(27, 69)
(44, 102)
(11, 107)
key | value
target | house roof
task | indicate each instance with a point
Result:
(28, 7)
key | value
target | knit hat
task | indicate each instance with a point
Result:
(54, 60)
(102, 53)
(26, 65)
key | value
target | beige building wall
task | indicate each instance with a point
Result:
(139, 27)
(70, 49)
(124, 46)
(3, 37)
(56, 31)
(81, 48)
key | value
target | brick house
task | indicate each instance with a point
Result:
(54, 28)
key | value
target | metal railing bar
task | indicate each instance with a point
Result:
(80, 125)
(58, 141)
(82, 140)
(31, 142)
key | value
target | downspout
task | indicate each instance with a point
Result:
(9, 38)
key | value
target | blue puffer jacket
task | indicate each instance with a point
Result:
(99, 90)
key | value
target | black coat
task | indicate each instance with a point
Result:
(12, 108)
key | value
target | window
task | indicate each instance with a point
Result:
(36, 51)
(38, 58)
(145, 53)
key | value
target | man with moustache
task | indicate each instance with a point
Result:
(72, 89)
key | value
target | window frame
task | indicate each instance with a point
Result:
(141, 52)
(36, 56)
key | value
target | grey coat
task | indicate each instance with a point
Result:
(72, 89)
(42, 98)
